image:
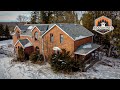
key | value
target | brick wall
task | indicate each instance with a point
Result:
(67, 43)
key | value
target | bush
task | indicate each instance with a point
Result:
(63, 62)
(35, 56)
(40, 57)
(21, 55)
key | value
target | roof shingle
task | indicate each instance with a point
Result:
(73, 30)
(25, 42)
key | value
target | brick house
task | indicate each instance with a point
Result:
(51, 38)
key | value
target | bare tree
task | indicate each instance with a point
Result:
(22, 18)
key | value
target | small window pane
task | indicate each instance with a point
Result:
(61, 38)
(36, 35)
(51, 38)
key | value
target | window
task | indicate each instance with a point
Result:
(37, 49)
(51, 37)
(18, 34)
(36, 36)
(61, 38)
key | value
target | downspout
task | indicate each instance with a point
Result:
(43, 49)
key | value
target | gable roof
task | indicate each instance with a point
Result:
(73, 30)
(42, 27)
(24, 42)
(25, 30)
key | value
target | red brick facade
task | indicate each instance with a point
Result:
(44, 43)
(68, 42)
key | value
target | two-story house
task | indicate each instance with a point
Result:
(51, 38)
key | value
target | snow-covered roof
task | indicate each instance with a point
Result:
(76, 31)
(86, 48)
(80, 37)
(30, 27)
(25, 43)
(28, 45)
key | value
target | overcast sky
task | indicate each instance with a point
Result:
(10, 16)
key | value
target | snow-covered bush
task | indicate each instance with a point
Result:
(63, 62)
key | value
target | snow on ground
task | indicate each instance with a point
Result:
(107, 68)
(6, 47)
(6, 42)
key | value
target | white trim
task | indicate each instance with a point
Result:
(29, 41)
(25, 35)
(48, 30)
(84, 37)
(15, 29)
(21, 43)
(34, 28)
(88, 52)
(59, 28)
(17, 42)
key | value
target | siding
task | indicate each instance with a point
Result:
(77, 43)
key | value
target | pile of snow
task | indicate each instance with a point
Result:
(87, 46)
(28, 45)
(6, 47)
(80, 37)
(30, 27)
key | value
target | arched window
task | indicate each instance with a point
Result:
(18, 34)
(36, 35)
(51, 37)
(61, 38)
(37, 49)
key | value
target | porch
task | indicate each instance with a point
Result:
(88, 51)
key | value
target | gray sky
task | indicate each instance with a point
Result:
(10, 16)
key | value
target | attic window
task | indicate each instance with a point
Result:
(36, 35)
(51, 37)
(61, 38)
(18, 34)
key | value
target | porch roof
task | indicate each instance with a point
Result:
(86, 48)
